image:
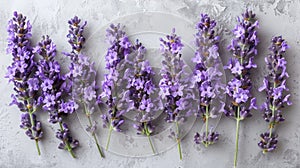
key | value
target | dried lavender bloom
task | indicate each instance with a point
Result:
(139, 95)
(274, 85)
(244, 48)
(52, 90)
(173, 86)
(207, 77)
(22, 74)
(117, 53)
(82, 76)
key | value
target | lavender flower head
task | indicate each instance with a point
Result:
(115, 59)
(22, 74)
(52, 91)
(82, 75)
(174, 87)
(244, 48)
(140, 93)
(207, 77)
(274, 85)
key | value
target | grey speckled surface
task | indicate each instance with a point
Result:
(49, 17)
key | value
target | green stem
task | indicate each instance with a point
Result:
(32, 125)
(67, 143)
(108, 138)
(206, 125)
(272, 124)
(93, 134)
(152, 147)
(37, 146)
(148, 135)
(178, 141)
(237, 136)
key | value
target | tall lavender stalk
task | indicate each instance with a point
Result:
(82, 76)
(207, 77)
(244, 48)
(53, 91)
(22, 74)
(117, 53)
(274, 85)
(139, 95)
(173, 85)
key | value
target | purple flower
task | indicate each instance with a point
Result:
(22, 74)
(274, 85)
(207, 76)
(116, 58)
(207, 139)
(174, 85)
(139, 96)
(52, 89)
(243, 48)
(268, 142)
(81, 77)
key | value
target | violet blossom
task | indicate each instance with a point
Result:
(117, 53)
(22, 74)
(139, 95)
(207, 77)
(82, 76)
(274, 85)
(174, 87)
(244, 48)
(52, 92)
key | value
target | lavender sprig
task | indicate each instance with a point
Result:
(207, 77)
(274, 85)
(139, 95)
(52, 91)
(22, 74)
(244, 48)
(82, 76)
(117, 53)
(173, 85)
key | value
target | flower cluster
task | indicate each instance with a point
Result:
(52, 91)
(174, 87)
(274, 85)
(207, 76)
(22, 74)
(82, 75)
(139, 75)
(117, 53)
(244, 48)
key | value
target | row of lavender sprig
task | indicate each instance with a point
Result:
(29, 77)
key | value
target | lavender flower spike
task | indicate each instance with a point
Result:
(139, 75)
(244, 48)
(22, 74)
(52, 91)
(173, 86)
(274, 85)
(82, 76)
(115, 58)
(207, 77)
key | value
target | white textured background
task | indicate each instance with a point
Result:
(277, 17)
